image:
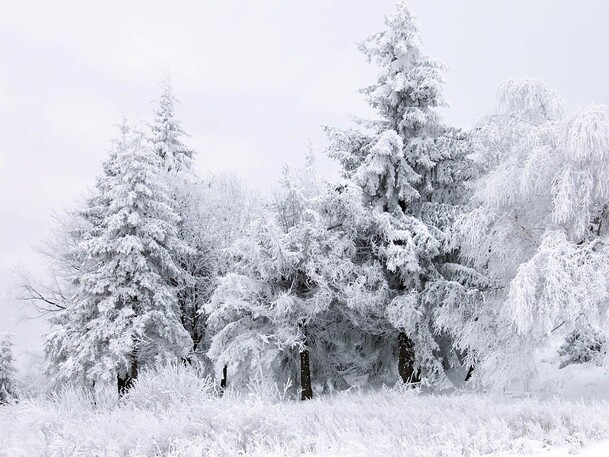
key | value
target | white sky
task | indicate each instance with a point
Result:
(256, 79)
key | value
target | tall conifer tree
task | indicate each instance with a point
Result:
(411, 167)
(125, 313)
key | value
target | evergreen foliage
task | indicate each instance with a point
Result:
(167, 132)
(8, 387)
(413, 169)
(125, 312)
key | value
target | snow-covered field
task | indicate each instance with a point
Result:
(174, 413)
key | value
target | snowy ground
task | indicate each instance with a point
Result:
(177, 414)
(598, 449)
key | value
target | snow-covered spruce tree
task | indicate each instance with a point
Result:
(8, 388)
(537, 229)
(167, 132)
(260, 314)
(354, 340)
(125, 314)
(308, 290)
(412, 169)
(67, 252)
(176, 161)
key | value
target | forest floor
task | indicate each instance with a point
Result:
(174, 413)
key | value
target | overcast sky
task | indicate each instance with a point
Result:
(256, 80)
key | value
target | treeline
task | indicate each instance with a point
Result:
(439, 256)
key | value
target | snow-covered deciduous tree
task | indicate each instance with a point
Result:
(413, 169)
(583, 345)
(215, 211)
(537, 229)
(125, 313)
(52, 294)
(8, 388)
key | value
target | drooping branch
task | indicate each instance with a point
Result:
(46, 299)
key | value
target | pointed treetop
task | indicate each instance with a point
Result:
(410, 81)
(167, 131)
(400, 39)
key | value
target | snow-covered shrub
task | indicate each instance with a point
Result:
(7, 370)
(583, 345)
(71, 400)
(262, 389)
(165, 387)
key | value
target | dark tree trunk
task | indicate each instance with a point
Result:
(406, 360)
(125, 382)
(191, 358)
(306, 391)
(224, 379)
(463, 361)
(470, 371)
(93, 393)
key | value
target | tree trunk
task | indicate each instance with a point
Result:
(406, 360)
(463, 361)
(125, 382)
(470, 371)
(223, 381)
(306, 392)
(93, 393)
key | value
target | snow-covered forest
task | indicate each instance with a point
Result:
(446, 294)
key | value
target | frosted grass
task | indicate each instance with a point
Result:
(176, 413)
